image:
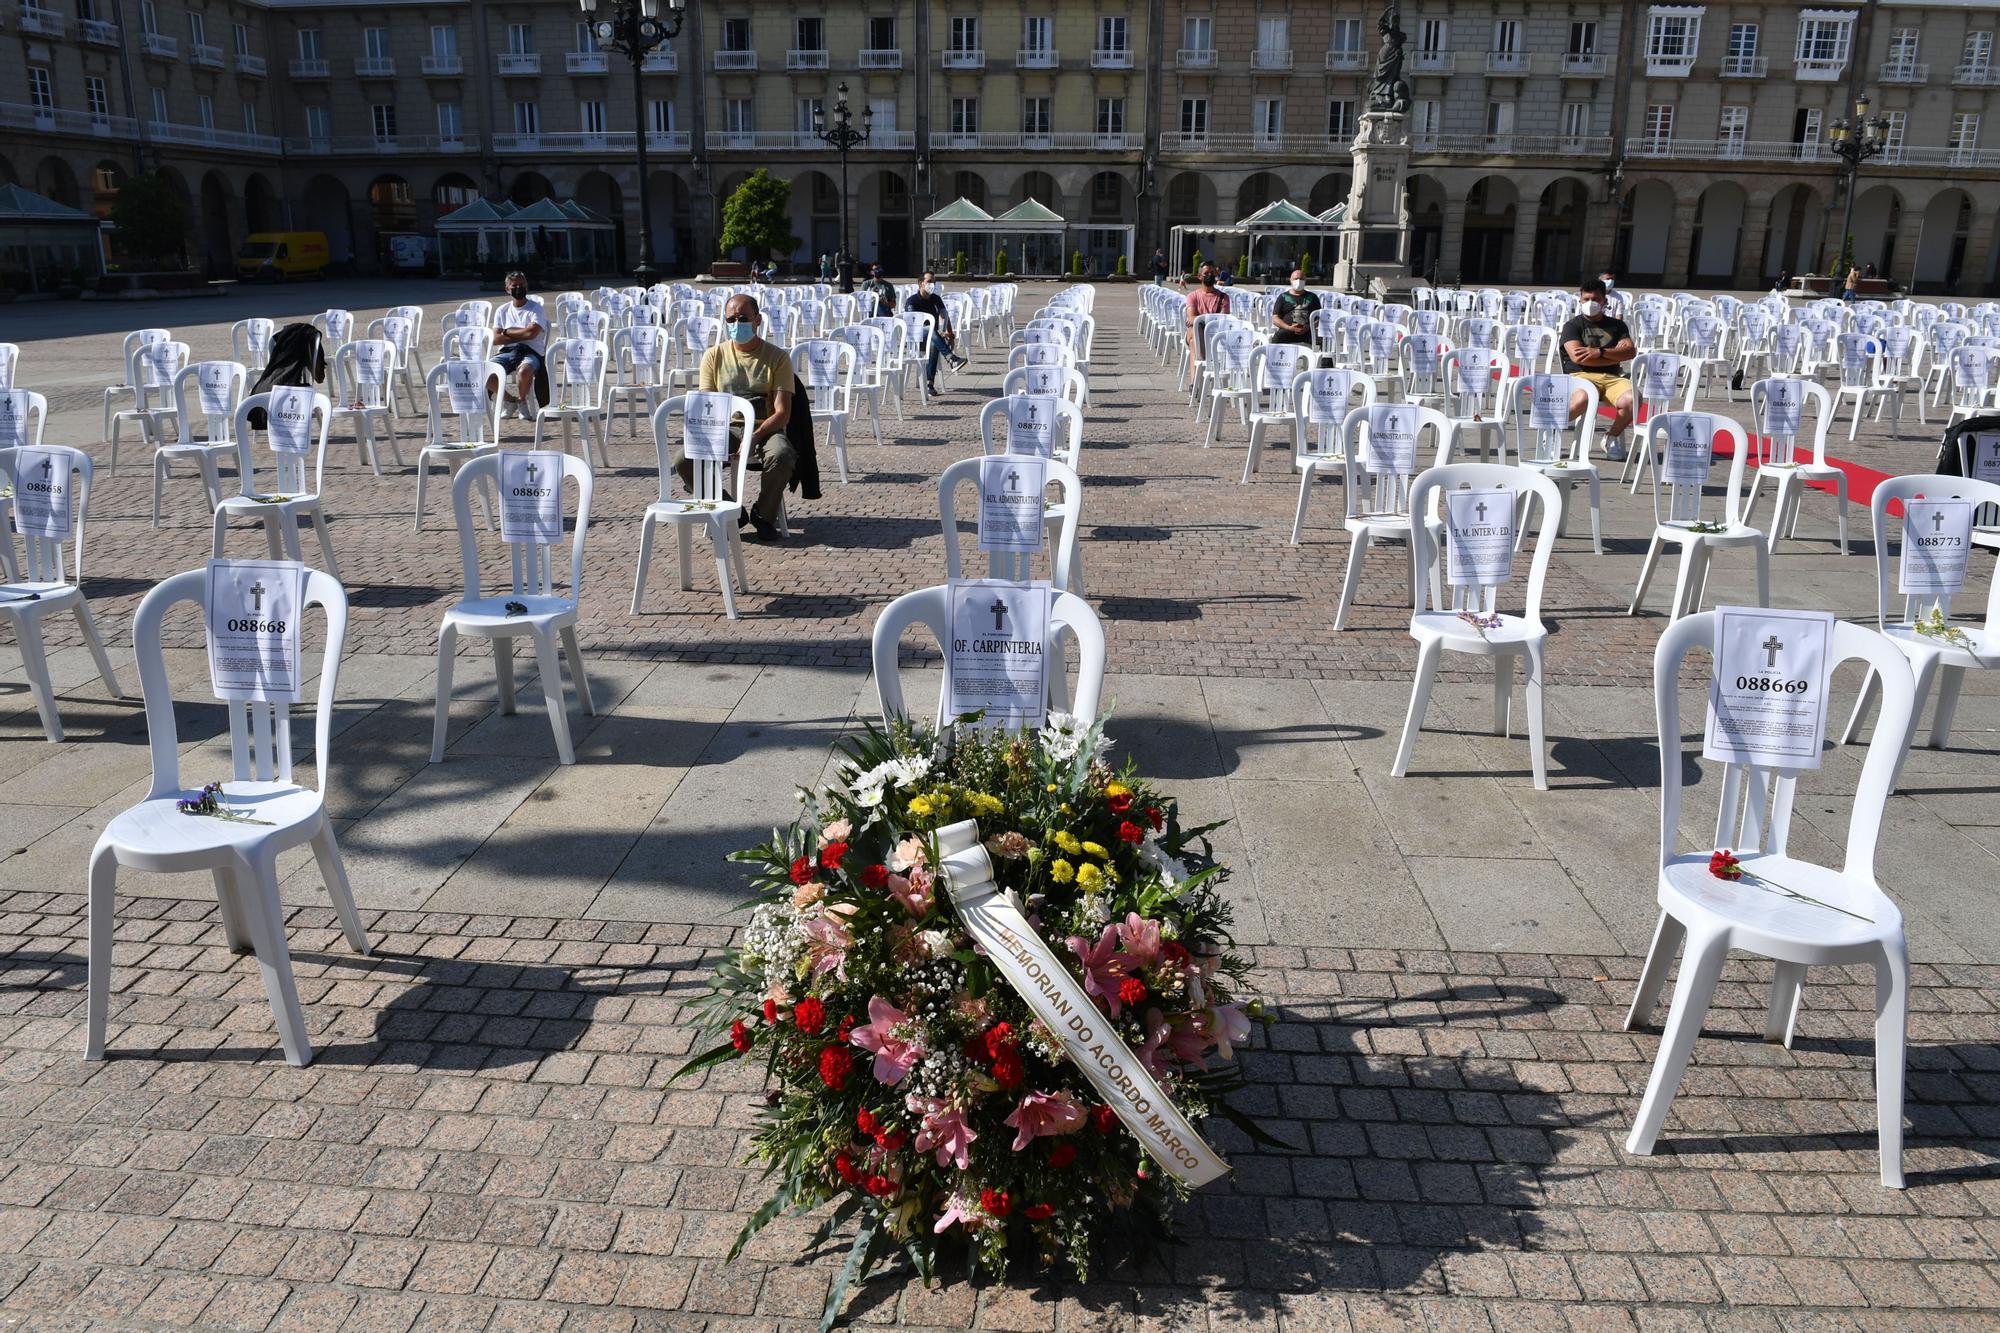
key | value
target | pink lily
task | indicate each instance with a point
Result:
(1232, 1029)
(914, 891)
(1043, 1115)
(1102, 971)
(1191, 1040)
(829, 943)
(1141, 939)
(943, 1128)
(961, 1210)
(1157, 1031)
(895, 1056)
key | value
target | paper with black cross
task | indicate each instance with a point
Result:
(44, 499)
(253, 629)
(531, 495)
(1937, 539)
(1767, 699)
(1010, 502)
(996, 653)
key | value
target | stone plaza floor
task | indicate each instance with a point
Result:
(485, 1139)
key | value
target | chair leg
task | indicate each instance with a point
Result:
(1667, 936)
(552, 694)
(1654, 549)
(647, 527)
(230, 908)
(1429, 657)
(35, 663)
(503, 672)
(447, 641)
(1503, 691)
(1840, 501)
(742, 570)
(88, 624)
(318, 521)
(103, 900)
(1538, 749)
(1596, 515)
(1781, 1016)
(719, 538)
(159, 484)
(333, 871)
(1949, 679)
(1357, 554)
(1763, 573)
(1305, 495)
(264, 916)
(1870, 686)
(1892, 1014)
(1701, 968)
(423, 484)
(576, 672)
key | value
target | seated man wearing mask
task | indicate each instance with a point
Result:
(1595, 347)
(1292, 313)
(926, 301)
(520, 340)
(747, 366)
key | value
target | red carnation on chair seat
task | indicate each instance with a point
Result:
(1722, 865)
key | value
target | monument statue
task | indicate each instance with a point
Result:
(1390, 92)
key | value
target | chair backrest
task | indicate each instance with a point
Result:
(1474, 379)
(1227, 353)
(1011, 564)
(1273, 368)
(362, 371)
(260, 733)
(1780, 401)
(283, 437)
(639, 354)
(413, 313)
(136, 339)
(399, 332)
(711, 476)
(1860, 360)
(1065, 428)
(1534, 404)
(23, 416)
(336, 326)
(478, 314)
(151, 369)
(1421, 356)
(250, 341)
(49, 466)
(209, 390)
(1754, 812)
(1971, 372)
(1900, 491)
(1531, 348)
(1065, 382)
(576, 373)
(931, 608)
(1321, 399)
(469, 342)
(1789, 347)
(1685, 443)
(827, 364)
(1660, 378)
(1040, 354)
(1382, 445)
(457, 393)
(531, 564)
(1498, 488)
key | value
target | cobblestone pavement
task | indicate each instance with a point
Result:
(484, 1142)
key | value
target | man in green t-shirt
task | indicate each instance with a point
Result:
(745, 365)
(1292, 313)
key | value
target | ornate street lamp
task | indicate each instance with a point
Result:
(636, 28)
(844, 138)
(1854, 142)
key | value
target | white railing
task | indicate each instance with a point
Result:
(1111, 57)
(368, 144)
(43, 22)
(375, 67)
(159, 44)
(48, 120)
(1433, 62)
(1745, 67)
(1676, 67)
(973, 57)
(1905, 71)
(201, 53)
(203, 135)
(1038, 57)
(1582, 64)
(1818, 71)
(99, 33)
(1506, 62)
(1104, 143)
(301, 68)
(798, 141)
(881, 57)
(586, 62)
(444, 66)
(736, 60)
(1346, 60)
(661, 61)
(519, 62)
(1195, 57)
(668, 141)
(1753, 150)
(1267, 59)
(1517, 145)
(805, 59)
(1976, 75)
(249, 64)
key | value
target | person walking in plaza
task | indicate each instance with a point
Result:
(520, 341)
(1159, 265)
(745, 365)
(1852, 288)
(883, 290)
(1595, 347)
(825, 267)
(927, 300)
(1292, 313)
(1203, 300)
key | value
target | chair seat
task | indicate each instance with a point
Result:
(691, 509)
(1562, 471)
(260, 503)
(1981, 649)
(1772, 922)
(194, 447)
(1319, 462)
(488, 618)
(155, 835)
(467, 449)
(1735, 534)
(45, 596)
(1463, 636)
(1379, 525)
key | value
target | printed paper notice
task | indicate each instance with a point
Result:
(1984, 452)
(1031, 424)
(465, 383)
(1548, 408)
(708, 418)
(1767, 701)
(531, 495)
(997, 664)
(1690, 448)
(1784, 408)
(213, 380)
(288, 415)
(1481, 549)
(1937, 538)
(43, 502)
(13, 418)
(1010, 503)
(1326, 397)
(1392, 440)
(253, 628)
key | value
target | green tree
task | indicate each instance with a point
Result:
(150, 223)
(1000, 263)
(755, 217)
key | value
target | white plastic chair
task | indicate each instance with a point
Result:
(401, 334)
(279, 511)
(1682, 521)
(250, 342)
(715, 503)
(1065, 382)
(1274, 367)
(1475, 397)
(870, 370)
(129, 387)
(1788, 472)
(415, 314)
(825, 367)
(1068, 614)
(467, 342)
(48, 583)
(1472, 622)
(1974, 647)
(151, 367)
(478, 431)
(211, 391)
(1566, 462)
(531, 607)
(364, 371)
(1060, 544)
(335, 328)
(1857, 925)
(1860, 357)
(154, 837)
(1317, 439)
(576, 394)
(638, 364)
(1379, 508)
(1661, 382)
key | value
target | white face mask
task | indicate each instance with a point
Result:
(1298, 284)
(1593, 308)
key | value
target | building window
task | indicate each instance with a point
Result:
(1583, 39)
(660, 116)
(444, 41)
(590, 116)
(149, 17)
(809, 34)
(736, 34)
(319, 124)
(159, 106)
(204, 110)
(1267, 121)
(1346, 39)
(96, 96)
(1034, 117)
(1671, 39)
(965, 115)
(309, 44)
(1112, 38)
(1506, 37)
(240, 36)
(1893, 123)
(1340, 120)
(882, 34)
(250, 118)
(882, 110)
(197, 28)
(383, 117)
(451, 121)
(1274, 35)
(1823, 41)
(527, 118)
(1038, 34)
(964, 36)
(1805, 132)
(1198, 34)
(1576, 119)
(520, 39)
(1429, 118)
(1742, 44)
(1110, 117)
(41, 88)
(1659, 125)
(1903, 47)
(1433, 37)
(375, 42)
(1964, 137)
(586, 39)
(1977, 57)
(1194, 117)
(739, 116)
(1499, 122)
(1733, 130)
(1106, 195)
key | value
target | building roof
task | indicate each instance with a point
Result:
(1031, 212)
(19, 205)
(960, 210)
(1279, 213)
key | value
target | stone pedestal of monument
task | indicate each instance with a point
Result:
(1374, 235)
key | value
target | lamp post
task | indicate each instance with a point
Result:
(636, 28)
(1854, 142)
(844, 138)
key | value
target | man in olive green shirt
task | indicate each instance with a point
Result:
(745, 365)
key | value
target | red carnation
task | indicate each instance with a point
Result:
(829, 855)
(739, 1035)
(1008, 1071)
(1131, 991)
(1155, 818)
(1037, 1212)
(843, 1166)
(875, 876)
(892, 1141)
(1723, 865)
(1120, 803)
(835, 1064)
(881, 1186)
(846, 1026)
(1130, 832)
(770, 1011)
(1174, 951)
(1062, 1155)
(865, 1121)
(998, 1038)
(1102, 1118)
(995, 1202)
(802, 871)
(809, 1014)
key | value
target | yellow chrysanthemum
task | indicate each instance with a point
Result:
(1088, 877)
(1068, 842)
(1117, 789)
(920, 807)
(1062, 872)
(1096, 850)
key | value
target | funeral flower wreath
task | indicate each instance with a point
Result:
(909, 1084)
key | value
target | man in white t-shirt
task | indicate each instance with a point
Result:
(520, 336)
